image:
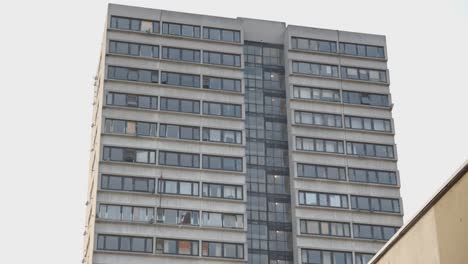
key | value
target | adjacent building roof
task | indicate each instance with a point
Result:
(438, 195)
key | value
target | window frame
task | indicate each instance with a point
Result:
(119, 243)
(222, 161)
(364, 97)
(152, 126)
(161, 187)
(150, 212)
(348, 255)
(115, 42)
(123, 154)
(325, 117)
(334, 69)
(350, 147)
(333, 45)
(360, 77)
(178, 217)
(373, 228)
(328, 199)
(234, 31)
(179, 158)
(179, 105)
(391, 174)
(163, 128)
(223, 253)
(181, 30)
(297, 95)
(301, 173)
(237, 83)
(151, 187)
(339, 145)
(152, 99)
(236, 58)
(180, 76)
(181, 51)
(192, 247)
(222, 190)
(112, 68)
(140, 21)
(206, 137)
(207, 105)
(329, 227)
(222, 224)
(348, 123)
(354, 204)
(342, 49)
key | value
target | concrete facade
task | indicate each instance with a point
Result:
(264, 35)
(438, 233)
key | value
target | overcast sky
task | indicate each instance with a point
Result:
(49, 54)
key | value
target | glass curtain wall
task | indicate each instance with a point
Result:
(269, 201)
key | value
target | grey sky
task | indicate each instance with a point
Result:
(50, 54)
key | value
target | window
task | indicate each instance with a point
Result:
(375, 204)
(125, 243)
(321, 172)
(222, 135)
(126, 213)
(362, 50)
(276, 130)
(223, 191)
(117, 126)
(319, 145)
(223, 220)
(176, 247)
(181, 54)
(373, 231)
(222, 109)
(320, 94)
(363, 74)
(366, 99)
(134, 49)
(132, 74)
(315, 69)
(221, 34)
(129, 184)
(325, 228)
(222, 250)
(272, 56)
(372, 176)
(179, 159)
(313, 44)
(129, 155)
(178, 187)
(134, 24)
(323, 199)
(222, 163)
(368, 123)
(315, 256)
(218, 58)
(179, 132)
(278, 184)
(177, 216)
(180, 79)
(132, 100)
(180, 105)
(277, 157)
(362, 258)
(218, 83)
(370, 150)
(318, 119)
(181, 30)
(275, 105)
